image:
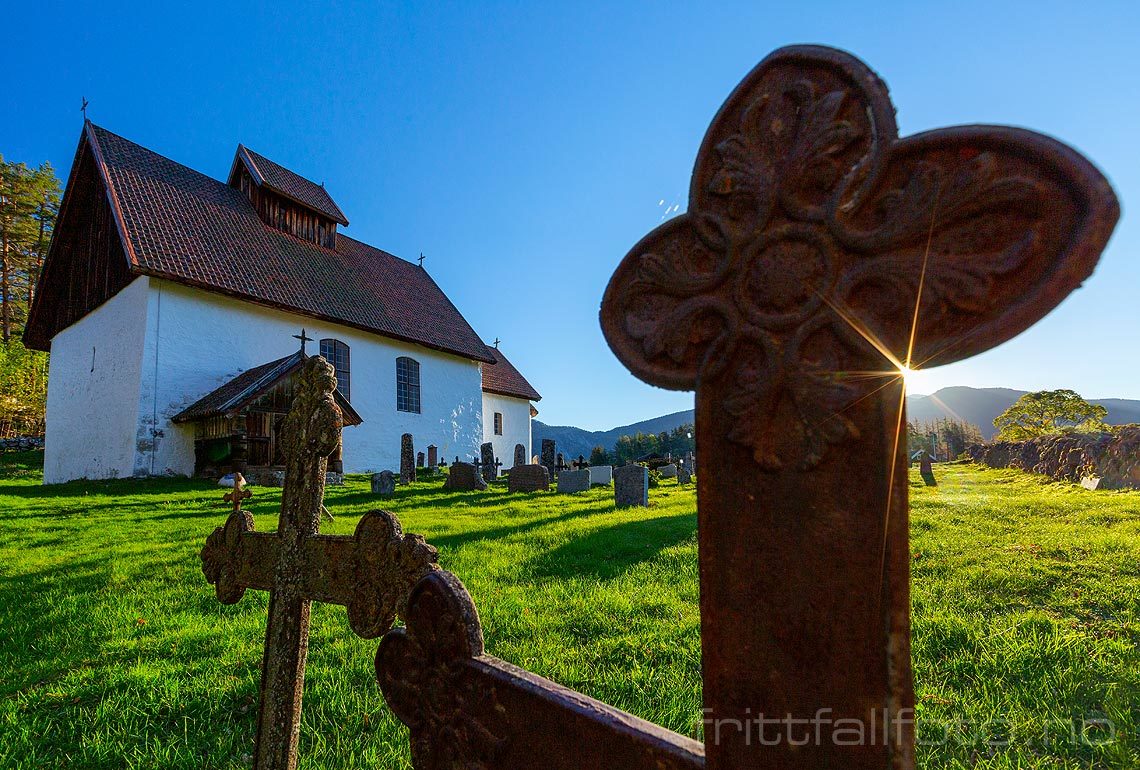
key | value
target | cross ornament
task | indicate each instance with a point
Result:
(304, 338)
(238, 494)
(820, 256)
(369, 572)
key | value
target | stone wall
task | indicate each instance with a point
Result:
(1113, 457)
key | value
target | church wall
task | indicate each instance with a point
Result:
(516, 426)
(197, 340)
(93, 387)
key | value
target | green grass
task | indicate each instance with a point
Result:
(114, 652)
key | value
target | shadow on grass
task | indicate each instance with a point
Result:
(510, 530)
(609, 552)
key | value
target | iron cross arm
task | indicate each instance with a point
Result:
(820, 256)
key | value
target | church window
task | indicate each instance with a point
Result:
(336, 353)
(407, 385)
(498, 423)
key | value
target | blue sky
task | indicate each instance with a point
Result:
(525, 147)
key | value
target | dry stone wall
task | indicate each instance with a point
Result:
(1114, 457)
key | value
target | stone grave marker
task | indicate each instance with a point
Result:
(528, 478)
(631, 486)
(548, 457)
(407, 460)
(487, 461)
(668, 471)
(573, 481)
(580, 463)
(420, 459)
(601, 474)
(433, 456)
(384, 483)
(520, 455)
(464, 477)
(683, 475)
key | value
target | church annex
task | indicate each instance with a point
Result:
(171, 303)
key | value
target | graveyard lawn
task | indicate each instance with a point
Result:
(115, 652)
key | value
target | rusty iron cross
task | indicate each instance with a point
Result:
(238, 494)
(369, 572)
(821, 255)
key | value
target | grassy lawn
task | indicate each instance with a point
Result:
(114, 652)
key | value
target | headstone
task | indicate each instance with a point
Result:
(528, 478)
(407, 460)
(683, 475)
(420, 459)
(1090, 482)
(926, 470)
(384, 483)
(668, 471)
(297, 565)
(574, 481)
(601, 474)
(548, 456)
(487, 461)
(520, 455)
(631, 486)
(560, 464)
(433, 456)
(464, 477)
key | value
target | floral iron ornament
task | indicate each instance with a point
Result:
(820, 249)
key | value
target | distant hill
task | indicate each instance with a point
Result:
(981, 405)
(975, 405)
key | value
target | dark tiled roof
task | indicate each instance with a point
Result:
(277, 177)
(249, 385)
(181, 225)
(504, 379)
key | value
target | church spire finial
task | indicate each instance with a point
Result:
(83, 108)
(303, 338)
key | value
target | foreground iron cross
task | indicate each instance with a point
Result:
(370, 572)
(819, 256)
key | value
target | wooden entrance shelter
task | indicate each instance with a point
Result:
(238, 425)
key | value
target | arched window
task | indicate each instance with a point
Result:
(336, 353)
(498, 423)
(407, 385)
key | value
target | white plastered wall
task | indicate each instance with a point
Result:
(516, 425)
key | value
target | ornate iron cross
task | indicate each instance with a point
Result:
(820, 255)
(369, 572)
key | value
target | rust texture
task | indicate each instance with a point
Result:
(369, 572)
(819, 255)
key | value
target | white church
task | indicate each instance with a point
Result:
(172, 304)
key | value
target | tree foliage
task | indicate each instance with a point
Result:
(599, 456)
(1047, 412)
(945, 438)
(677, 441)
(29, 203)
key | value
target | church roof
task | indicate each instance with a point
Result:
(503, 378)
(250, 385)
(183, 226)
(280, 179)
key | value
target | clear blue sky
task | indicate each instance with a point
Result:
(524, 148)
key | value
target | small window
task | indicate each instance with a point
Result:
(407, 385)
(336, 353)
(498, 423)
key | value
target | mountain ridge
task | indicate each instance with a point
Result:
(974, 405)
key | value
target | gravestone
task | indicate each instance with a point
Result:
(683, 475)
(528, 478)
(548, 456)
(384, 483)
(573, 481)
(419, 459)
(926, 470)
(668, 471)
(580, 463)
(407, 460)
(487, 461)
(433, 456)
(464, 477)
(297, 564)
(520, 455)
(631, 486)
(810, 228)
(601, 474)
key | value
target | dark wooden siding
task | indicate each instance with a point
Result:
(86, 265)
(287, 215)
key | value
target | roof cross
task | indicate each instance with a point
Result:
(83, 108)
(303, 338)
(496, 343)
(422, 258)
